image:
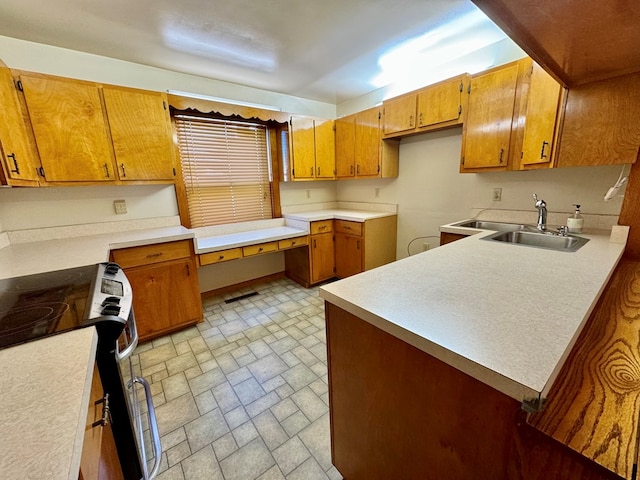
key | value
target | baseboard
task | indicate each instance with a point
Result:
(241, 285)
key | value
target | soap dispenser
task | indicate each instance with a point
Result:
(575, 221)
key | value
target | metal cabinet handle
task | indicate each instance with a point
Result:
(358, 169)
(106, 412)
(420, 119)
(411, 121)
(16, 169)
(106, 170)
(501, 155)
(544, 144)
(154, 255)
(351, 170)
(124, 172)
(312, 171)
(314, 243)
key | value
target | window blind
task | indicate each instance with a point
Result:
(226, 170)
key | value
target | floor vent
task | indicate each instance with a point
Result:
(240, 297)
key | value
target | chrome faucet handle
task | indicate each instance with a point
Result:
(539, 202)
(563, 230)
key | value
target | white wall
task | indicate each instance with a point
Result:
(430, 191)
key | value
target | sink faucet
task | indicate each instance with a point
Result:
(542, 213)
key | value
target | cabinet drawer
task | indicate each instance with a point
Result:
(149, 254)
(221, 256)
(323, 226)
(350, 228)
(258, 249)
(293, 242)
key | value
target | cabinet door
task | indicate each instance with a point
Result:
(70, 129)
(487, 129)
(322, 257)
(540, 121)
(141, 133)
(400, 114)
(325, 149)
(368, 140)
(303, 155)
(441, 103)
(19, 160)
(348, 255)
(345, 147)
(166, 296)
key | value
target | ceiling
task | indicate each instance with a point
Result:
(327, 50)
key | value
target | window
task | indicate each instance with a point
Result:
(226, 168)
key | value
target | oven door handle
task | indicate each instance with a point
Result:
(153, 427)
(132, 344)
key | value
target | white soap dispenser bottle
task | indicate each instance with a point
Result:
(575, 222)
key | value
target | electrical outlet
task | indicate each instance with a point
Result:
(308, 193)
(120, 206)
(377, 192)
(497, 194)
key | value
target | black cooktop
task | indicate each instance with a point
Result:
(35, 306)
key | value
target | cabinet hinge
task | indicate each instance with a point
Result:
(293, 172)
(164, 104)
(378, 168)
(19, 85)
(469, 89)
(463, 161)
(461, 86)
(40, 171)
(459, 109)
(379, 115)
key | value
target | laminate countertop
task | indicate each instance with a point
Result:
(508, 315)
(45, 397)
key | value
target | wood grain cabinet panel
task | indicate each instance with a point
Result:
(18, 157)
(442, 104)
(70, 129)
(166, 291)
(141, 133)
(313, 153)
(221, 256)
(322, 257)
(400, 113)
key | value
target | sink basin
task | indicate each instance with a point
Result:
(540, 240)
(497, 226)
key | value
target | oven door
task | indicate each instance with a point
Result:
(139, 400)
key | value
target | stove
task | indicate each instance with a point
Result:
(45, 304)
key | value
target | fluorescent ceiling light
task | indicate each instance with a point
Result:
(224, 100)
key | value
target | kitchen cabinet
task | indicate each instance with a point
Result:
(99, 460)
(19, 159)
(70, 129)
(400, 113)
(511, 120)
(486, 134)
(442, 104)
(446, 237)
(339, 248)
(141, 133)
(312, 149)
(164, 280)
(360, 150)
(349, 248)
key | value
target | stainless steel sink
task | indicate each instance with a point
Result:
(539, 240)
(497, 226)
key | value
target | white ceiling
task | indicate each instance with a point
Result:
(326, 50)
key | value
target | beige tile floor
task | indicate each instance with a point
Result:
(243, 395)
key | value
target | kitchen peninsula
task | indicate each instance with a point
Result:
(433, 360)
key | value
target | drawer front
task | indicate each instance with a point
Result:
(221, 256)
(323, 226)
(293, 242)
(149, 254)
(258, 249)
(350, 228)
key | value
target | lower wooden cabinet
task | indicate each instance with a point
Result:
(166, 291)
(99, 460)
(340, 248)
(446, 237)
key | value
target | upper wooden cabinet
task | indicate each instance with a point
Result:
(360, 150)
(437, 106)
(141, 133)
(70, 129)
(19, 160)
(400, 114)
(487, 129)
(312, 148)
(511, 119)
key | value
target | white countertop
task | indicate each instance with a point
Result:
(44, 401)
(507, 315)
(48, 255)
(338, 214)
(241, 239)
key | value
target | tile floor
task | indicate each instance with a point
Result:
(243, 395)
